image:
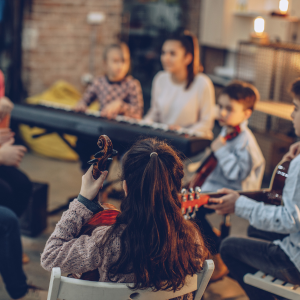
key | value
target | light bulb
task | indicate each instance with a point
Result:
(283, 6)
(259, 25)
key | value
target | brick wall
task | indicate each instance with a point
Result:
(191, 17)
(56, 40)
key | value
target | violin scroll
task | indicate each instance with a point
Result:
(102, 158)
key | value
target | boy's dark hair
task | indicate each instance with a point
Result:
(120, 46)
(157, 244)
(243, 92)
(295, 88)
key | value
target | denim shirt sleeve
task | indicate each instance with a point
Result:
(282, 219)
(237, 164)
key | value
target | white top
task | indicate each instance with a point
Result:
(193, 108)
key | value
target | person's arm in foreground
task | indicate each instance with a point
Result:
(281, 219)
(11, 155)
(64, 249)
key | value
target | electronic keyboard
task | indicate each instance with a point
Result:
(122, 130)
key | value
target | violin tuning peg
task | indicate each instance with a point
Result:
(114, 152)
(99, 154)
(191, 190)
(183, 191)
(92, 161)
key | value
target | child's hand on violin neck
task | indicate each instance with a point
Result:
(89, 186)
(218, 143)
(226, 204)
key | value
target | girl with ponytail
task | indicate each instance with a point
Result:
(181, 95)
(150, 244)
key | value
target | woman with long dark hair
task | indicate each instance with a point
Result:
(150, 245)
(181, 95)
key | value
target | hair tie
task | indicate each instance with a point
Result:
(153, 153)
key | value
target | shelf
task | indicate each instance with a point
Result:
(277, 109)
(250, 14)
(264, 14)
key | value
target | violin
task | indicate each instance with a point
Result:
(108, 213)
(103, 158)
(210, 162)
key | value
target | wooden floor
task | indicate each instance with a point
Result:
(64, 179)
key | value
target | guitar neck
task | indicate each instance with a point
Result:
(265, 195)
(272, 195)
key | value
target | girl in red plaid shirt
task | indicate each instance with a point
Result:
(117, 92)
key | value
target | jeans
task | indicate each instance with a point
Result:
(11, 254)
(248, 255)
(15, 189)
(212, 241)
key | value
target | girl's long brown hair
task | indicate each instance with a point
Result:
(190, 43)
(158, 245)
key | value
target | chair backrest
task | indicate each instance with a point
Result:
(273, 285)
(61, 287)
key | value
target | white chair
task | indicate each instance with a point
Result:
(61, 287)
(273, 285)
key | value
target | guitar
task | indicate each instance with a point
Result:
(210, 162)
(192, 200)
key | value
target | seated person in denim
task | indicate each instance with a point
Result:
(273, 245)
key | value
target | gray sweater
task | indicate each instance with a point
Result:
(78, 255)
